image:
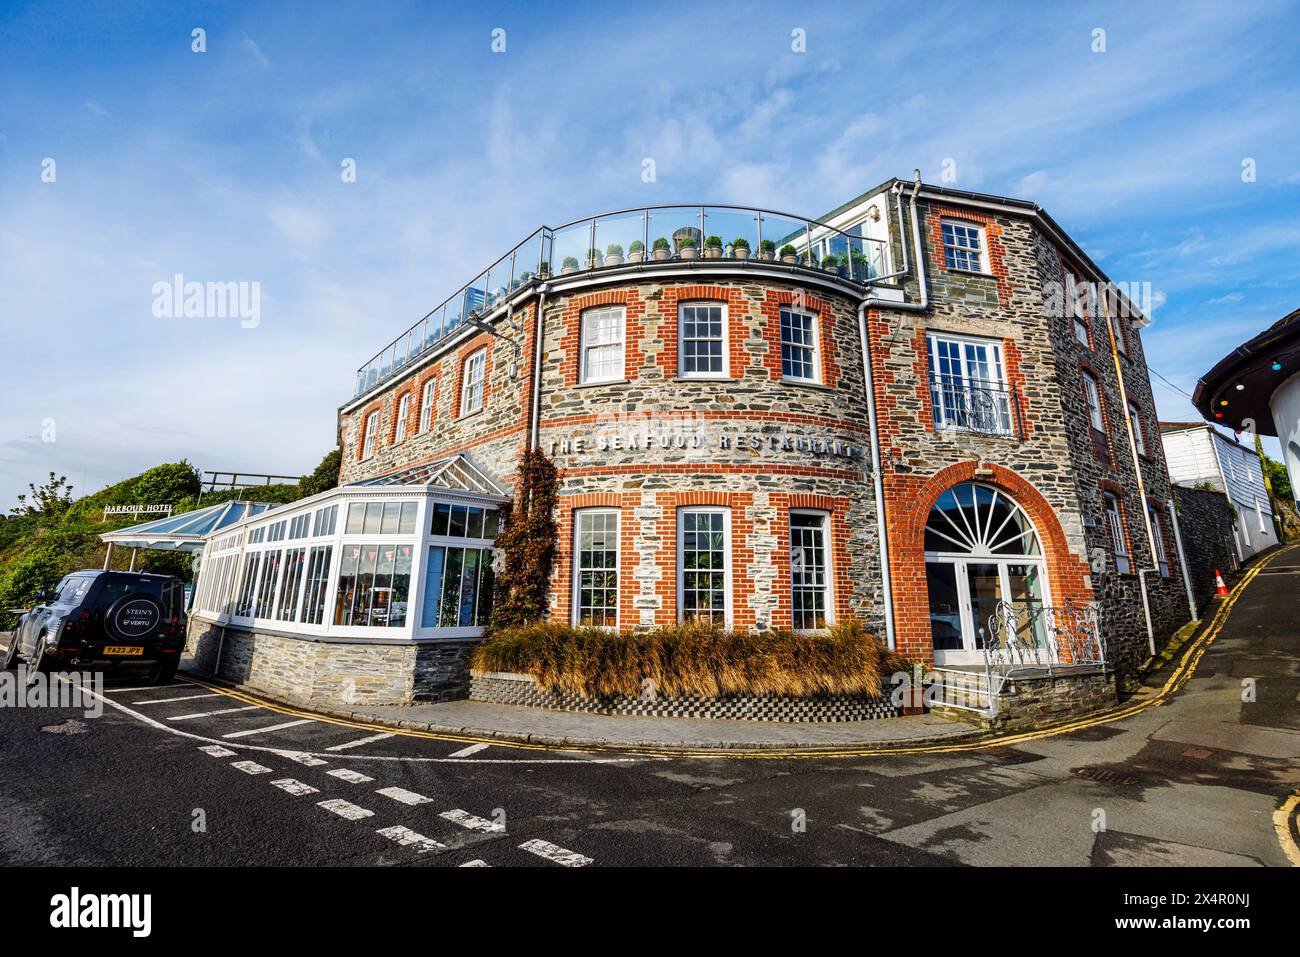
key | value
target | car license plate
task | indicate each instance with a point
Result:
(124, 650)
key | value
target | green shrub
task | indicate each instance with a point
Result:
(688, 241)
(570, 262)
(637, 246)
(787, 250)
(613, 249)
(690, 659)
(713, 242)
(166, 484)
(740, 242)
(662, 243)
(768, 246)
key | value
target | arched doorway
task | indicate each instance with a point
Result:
(981, 549)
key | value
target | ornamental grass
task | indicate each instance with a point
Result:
(691, 659)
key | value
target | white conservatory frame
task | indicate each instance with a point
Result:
(226, 554)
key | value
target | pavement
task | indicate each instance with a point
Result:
(192, 775)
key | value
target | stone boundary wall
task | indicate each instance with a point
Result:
(1036, 702)
(314, 672)
(1206, 521)
(516, 689)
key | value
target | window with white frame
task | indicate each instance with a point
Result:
(968, 385)
(1076, 299)
(809, 571)
(426, 406)
(287, 607)
(371, 435)
(1115, 523)
(318, 577)
(267, 582)
(403, 414)
(380, 518)
(374, 585)
(1138, 438)
(595, 571)
(702, 340)
(1116, 323)
(1158, 535)
(1259, 513)
(799, 346)
(459, 573)
(703, 568)
(1093, 396)
(602, 336)
(324, 521)
(963, 246)
(471, 388)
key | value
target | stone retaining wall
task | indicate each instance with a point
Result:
(318, 672)
(508, 688)
(1036, 702)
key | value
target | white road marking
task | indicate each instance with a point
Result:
(302, 757)
(209, 714)
(476, 863)
(296, 788)
(274, 727)
(466, 752)
(146, 688)
(216, 750)
(471, 821)
(359, 742)
(309, 759)
(352, 777)
(345, 809)
(184, 697)
(405, 796)
(250, 767)
(555, 853)
(407, 838)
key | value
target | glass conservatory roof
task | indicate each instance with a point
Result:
(455, 472)
(185, 532)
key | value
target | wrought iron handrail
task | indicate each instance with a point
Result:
(610, 240)
(974, 405)
(1047, 637)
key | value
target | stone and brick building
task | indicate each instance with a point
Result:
(925, 404)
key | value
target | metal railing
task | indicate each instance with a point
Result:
(973, 405)
(647, 234)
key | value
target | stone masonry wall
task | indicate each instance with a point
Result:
(1205, 519)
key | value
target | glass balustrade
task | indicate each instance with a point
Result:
(636, 237)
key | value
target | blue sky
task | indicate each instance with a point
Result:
(224, 166)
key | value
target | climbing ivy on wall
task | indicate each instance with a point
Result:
(528, 545)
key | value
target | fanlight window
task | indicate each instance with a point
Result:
(974, 519)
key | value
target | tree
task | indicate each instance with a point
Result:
(528, 545)
(49, 500)
(1279, 478)
(166, 484)
(325, 477)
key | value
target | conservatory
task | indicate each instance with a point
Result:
(403, 557)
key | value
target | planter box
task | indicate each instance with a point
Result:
(500, 687)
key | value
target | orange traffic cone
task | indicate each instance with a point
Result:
(1219, 587)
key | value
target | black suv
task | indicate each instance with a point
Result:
(100, 619)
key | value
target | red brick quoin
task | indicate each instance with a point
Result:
(909, 499)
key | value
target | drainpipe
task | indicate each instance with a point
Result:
(916, 244)
(877, 482)
(1182, 559)
(1137, 469)
(534, 430)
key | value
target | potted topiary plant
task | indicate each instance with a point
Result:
(830, 263)
(740, 248)
(544, 269)
(662, 249)
(767, 250)
(636, 251)
(594, 258)
(569, 265)
(613, 255)
(688, 248)
(789, 254)
(713, 247)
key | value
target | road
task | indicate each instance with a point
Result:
(187, 775)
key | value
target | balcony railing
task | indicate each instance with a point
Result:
(635, 236)
(973, 405)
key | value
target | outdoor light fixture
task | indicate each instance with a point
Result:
(482, 326)
(1276, 365)
(1223, 402)
(1241, 386)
